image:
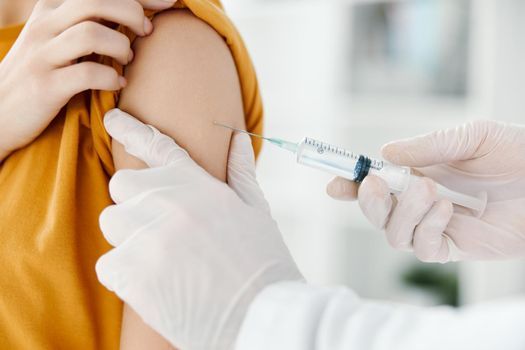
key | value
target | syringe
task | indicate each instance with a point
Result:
(355, 167)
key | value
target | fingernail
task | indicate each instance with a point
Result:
(131, 55)
(122, 81)
(148, 26)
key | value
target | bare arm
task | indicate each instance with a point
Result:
(182, 79)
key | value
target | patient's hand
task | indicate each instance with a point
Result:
(41, 72)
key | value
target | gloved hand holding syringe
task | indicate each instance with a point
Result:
(355, 167)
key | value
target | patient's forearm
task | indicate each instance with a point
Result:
(182, 79)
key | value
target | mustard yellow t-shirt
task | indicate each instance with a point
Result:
(51, 194)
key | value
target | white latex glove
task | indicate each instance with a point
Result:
(472, 158)
(191, 253)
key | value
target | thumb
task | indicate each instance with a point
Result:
(241, 172)
(143, 141)
(443, 146)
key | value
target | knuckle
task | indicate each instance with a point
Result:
(413, 210)
(118, 182)
(483, 123)
(419, 197)
(377, 212)
(122, 45)
(482, 127)
(96, 73)
(429, 187)
(445, 209)
(428, 252)
(424, 256)
(37, 27)
(399, 240)
(126, 42)
(428, 240)
(94, 7)
(138, 10)
(89, 32)
(422, 248)
(373, 188)
(86, 73)
(121, 176)
(111, 75)
(106, 217)
(392, 237)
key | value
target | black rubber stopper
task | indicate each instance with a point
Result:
(362, 168)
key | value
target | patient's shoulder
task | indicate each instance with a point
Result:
(183, 78)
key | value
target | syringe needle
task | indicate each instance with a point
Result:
(240, 130)
(290, 146)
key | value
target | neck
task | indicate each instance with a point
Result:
(14, 12)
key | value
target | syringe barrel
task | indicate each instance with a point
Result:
(341, 162)
(351, 166)
(328, 158)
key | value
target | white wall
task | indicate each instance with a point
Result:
(297, 50)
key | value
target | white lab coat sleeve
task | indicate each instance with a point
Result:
(296, 316)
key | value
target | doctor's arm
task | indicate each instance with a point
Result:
(182, 78)
(295, 316)
(164, 264)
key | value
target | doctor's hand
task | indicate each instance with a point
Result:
(191, 252)
(472, 158)
(42, 71)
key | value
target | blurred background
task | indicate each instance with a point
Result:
(361, 73)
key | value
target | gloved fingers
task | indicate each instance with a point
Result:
(241, 172)
(241, 157)
(143, 141)
(115, 268)
(412, 205)
(430, 242)
(126, 273)
(342, 189)
(108, 273)
(375, 200)
(128, 183)
(119, 222)
(125, 185)
(443, 146)
(491, 238)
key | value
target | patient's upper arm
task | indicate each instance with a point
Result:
(183, 78)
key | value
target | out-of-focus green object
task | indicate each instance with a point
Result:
(441, 282)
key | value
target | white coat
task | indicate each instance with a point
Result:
(295, 316)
